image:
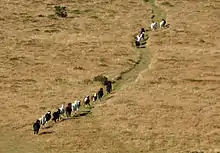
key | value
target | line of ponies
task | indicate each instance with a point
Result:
(154, 26)
(66, 112)
(71, 109)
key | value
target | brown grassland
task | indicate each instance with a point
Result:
(169, 102)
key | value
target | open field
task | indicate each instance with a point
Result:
(172, 106)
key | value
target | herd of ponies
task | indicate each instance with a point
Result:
(70, 109)
(75, 106)
(153, 27)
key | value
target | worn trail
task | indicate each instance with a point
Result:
(144, 54)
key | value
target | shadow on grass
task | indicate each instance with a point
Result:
(141, 46)
(109, 97)
(168, 25)
(82, 113)
(46, 132)
(143, 43)
(47, 127)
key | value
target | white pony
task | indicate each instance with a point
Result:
(45, 118)
(138, 38)
(163, 23)
(153, 26)
(62, 110)
(42, 120)
(76, 106)
(86, 101)
(94, 97)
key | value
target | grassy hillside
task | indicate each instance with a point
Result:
(168, 103)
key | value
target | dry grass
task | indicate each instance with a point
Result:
(46, 60)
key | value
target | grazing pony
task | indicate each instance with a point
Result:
(36, 127)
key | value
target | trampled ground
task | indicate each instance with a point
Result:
(172, 106)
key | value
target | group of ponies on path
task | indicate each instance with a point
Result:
(66, 112)
(153, 27)
(71, 109)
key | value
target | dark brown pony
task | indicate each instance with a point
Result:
(68, 110)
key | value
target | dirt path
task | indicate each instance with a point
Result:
(174, 106)
(145, 55)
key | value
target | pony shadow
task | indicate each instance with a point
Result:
(146, 38)
(47, 127)
(167, 26)
(88, 107)
(84, 113)
(109, 97)
(143, 43)
(46, 132)
(61, 120)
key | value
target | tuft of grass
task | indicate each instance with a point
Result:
(30, 19)
(60, 11)
(88, 10)
(23, 106)
(167, 4)
(78, 68)
(51, 25)
(103, 65)
(94, 17)
(43, 108)
(52, 16)
(17, 58)
(76, 12)
(200, 80)
(100, 78)
(41, 15)
(202, 41)
(36, 29)
(133, 61)
(52, 30)
(87, 81)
